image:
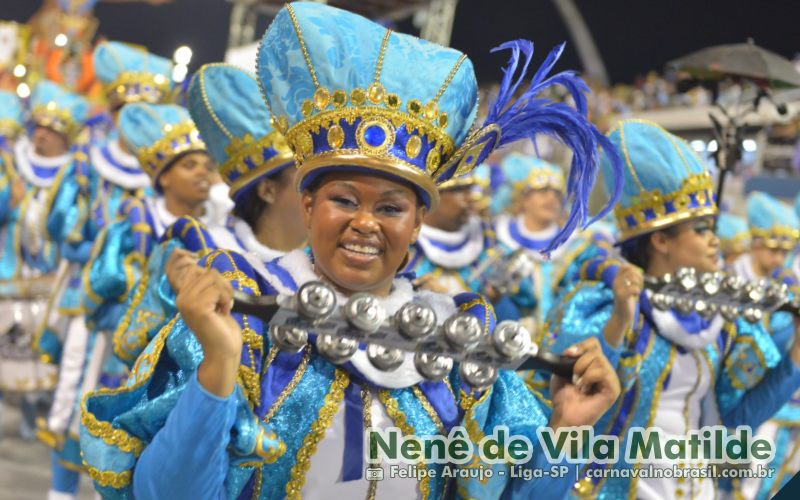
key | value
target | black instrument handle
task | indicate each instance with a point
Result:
(263, 307)
(549, 362)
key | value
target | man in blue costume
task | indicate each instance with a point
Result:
(30, 258)
(214, 409)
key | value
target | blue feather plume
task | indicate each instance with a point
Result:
(529, 116)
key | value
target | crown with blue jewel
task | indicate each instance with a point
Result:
(131, 74)
(665, 181)
(157, 134)
(772, 222)
(733, 233)
(226, 104)
(349, 93)
(56, 108)
(11, 114)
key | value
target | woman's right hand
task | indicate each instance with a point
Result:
(204, 301)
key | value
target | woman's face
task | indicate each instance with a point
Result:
(693, 244)
(360, 227)
(767, 260)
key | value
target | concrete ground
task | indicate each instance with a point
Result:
(25, 465)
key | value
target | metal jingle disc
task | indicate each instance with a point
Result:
(384, 358)
(754, 292)
(733, 284)
(687, 278)
(729, 312)
(463, 331)
(432, 366)
(661, 302)
(415, 320)
(478, 376)
(752, 315)
(711, 283)
(288, 338)
(706, 310)
(684, 305)
(511, 339)
(777, 292)
(337, 350)
(316, 300)
(364, 312)
(518, 265)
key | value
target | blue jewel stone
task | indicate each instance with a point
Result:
(469, 159)
(375, 136)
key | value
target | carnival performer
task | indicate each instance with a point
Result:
(678, 371)
(530, 202)
(734, 237)
(253, 159)
(369, 157)
(774, 229)
(85, 200)
(30, 258)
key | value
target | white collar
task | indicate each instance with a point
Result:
(504, 236)
(251, 244)
(25, 158)
(470, 236)
(110, 172)
(162, 217)
(298, 265)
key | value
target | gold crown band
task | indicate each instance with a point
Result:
(165, 147)
(739, 243)
(776, 237)
(58, 119)
(700, 186)
(9, 127)
(273, 163)
(118, 92)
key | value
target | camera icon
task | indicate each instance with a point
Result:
(373, 474)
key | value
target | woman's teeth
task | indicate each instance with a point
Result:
(367, 250)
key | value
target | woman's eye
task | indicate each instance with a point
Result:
(345, 202)
(391, 209)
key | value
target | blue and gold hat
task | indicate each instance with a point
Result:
(733, 233)
(519, 172)
(58, 109)
(772, 222)
(665, 181)
(11, 114)
(157, 133)
(131, 74)
(348, 93)
(226, 104)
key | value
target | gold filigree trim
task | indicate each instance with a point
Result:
(400, 420)
(109, 478)
(324, 419)
(776, 237)
(166, 147)
(287, 391)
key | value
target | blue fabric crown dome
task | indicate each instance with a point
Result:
(733, 233)
(157, 134)
(772, 222)
(58, 109)
(665, 182)
(11, 114)
(132, 74)
(226, 105)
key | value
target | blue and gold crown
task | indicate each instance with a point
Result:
(772, 222)
(518, 172)
(58, 109)
(157, 133)
(131, 74)
(733, 233)
(11, 115)
(226, 104)
(665, 181)
(348, 93)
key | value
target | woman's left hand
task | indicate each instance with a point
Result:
(591, 392)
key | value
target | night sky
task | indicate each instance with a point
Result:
(633, 36)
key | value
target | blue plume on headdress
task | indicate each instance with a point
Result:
(529, 116)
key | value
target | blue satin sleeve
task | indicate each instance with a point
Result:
(69, 210)
(77, 252)
(5, 198)
(762, 401)
(506, 309)
(188, 457)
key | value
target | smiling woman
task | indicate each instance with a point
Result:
(270, 423)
